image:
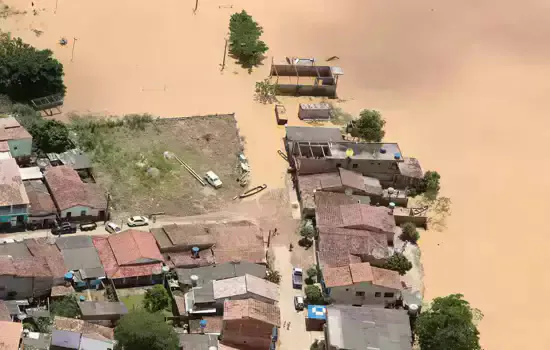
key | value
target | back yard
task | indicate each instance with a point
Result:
(129, 162)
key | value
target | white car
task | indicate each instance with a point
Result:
(111, 227)
(298, 302)
(138, 221)
(213, 179)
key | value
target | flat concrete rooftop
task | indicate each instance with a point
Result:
(361, 150)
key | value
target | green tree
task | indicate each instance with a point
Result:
(369, 126)
(141, 330)
(314, 295)
(410, 233)
(27, 73)
(398, 262)
(312, 272)
(156, 298)
(448, 324)
(244, 39)
(51, 136)
(266, 91)
(66, 306)
(273, 276)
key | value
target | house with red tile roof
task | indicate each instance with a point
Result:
(362, 284)
(15, 138)
(248, 323)
(74, 199)
(130, 257)
(14, 202)
(10, 335)
(24, 277)
(42, 209)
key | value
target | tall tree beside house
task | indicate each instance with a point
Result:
(448, 324)
(369, 127)
(398, 262)
(141, 330)
(314, 295)
(27, 73)
(244, 39)
(410, 233)
(66, 306)
(156, 298)
(50, 136)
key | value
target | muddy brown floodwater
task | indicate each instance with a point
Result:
(463, 85)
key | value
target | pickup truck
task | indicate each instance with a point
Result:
(297, 276)
(64, 228)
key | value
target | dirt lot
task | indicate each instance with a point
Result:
(123, 156)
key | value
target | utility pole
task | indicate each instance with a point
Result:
(196, 6)
(55, 11)
(72, 53)
(224, 54)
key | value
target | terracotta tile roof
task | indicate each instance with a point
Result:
(10, 129)
(113, 269)
(180, 304)
(213, 325)
(4, 312)
(386, 278)
(86, 328)
(251, 309)
(189, 235)
(362, 216)
(32, 267)
(41, 247)
(362, 272)
(134, 247)
(411, 167)
(69, 191)
(186, 260)
(6, 266)
(58, 291)
(337, 276)
(12, 190)
(238, 243)
(41, 203)
(308, 184)
(10, 335)
(352, 179)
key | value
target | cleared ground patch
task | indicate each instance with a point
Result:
(129, 162)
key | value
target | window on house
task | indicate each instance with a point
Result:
(347, 289)
(354, 166)
(377, 295)
(83, 213)
(388, 295)
(338, 165)
(15, 148)
(359, 294)
(69, 214)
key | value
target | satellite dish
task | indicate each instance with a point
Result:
(349, 153)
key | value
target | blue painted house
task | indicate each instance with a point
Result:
(14, 202)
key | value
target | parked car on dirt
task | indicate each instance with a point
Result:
(138, 221)
(64, 229)
(111, 227)
(297, 276)
(299, 302)
(87, 226)
(213, 179)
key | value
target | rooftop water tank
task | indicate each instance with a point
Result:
(194, 280)
(413, 310)
(397, 155)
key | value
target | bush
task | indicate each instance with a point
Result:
(244, 39)
(410, 234)
(156, 299)
(312, 272)
(307, 230)
(429, 185)
(398, 262)
(65, 307)
(369, 126)
(266, 91)
(314, 295)
(141, 330)
(50, 136)
(273, 276)
(26, 72)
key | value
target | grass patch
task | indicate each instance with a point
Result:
(133, 302)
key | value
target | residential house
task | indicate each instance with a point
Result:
(357, 216)
(360, 328)
(36, 341)
(130, 258)
(48, 250)
(24, 277)
(199, 289)
(70, 340)
(81, 257)
(102, 310)
(198, 341)
(341, 246)
(15, 138)
(245, 287)
(10, 335)
(411, 173)
(249, 323)
(74, 199)
(14, 202)
(362, 284)
(227, 238)
(206, 325)
(88, 329)
(42, 210)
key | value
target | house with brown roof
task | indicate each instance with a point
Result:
(88, 329)
(130, 257)
(48, 250)
(357, 216)
(42, 209)
(15, 138)
(362, 284)
(248, 323)
(245, 287)
(74, 199)
(24, 277)
(14, 202)
(10, 335)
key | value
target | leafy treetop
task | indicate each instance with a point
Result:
(50, 136)
(244, 39)
(156, 298)
(369, 126)
(398, 262)
(141, 330)
(65, 307)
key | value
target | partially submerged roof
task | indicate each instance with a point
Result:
(10, 129)
(359, 328)
(359, 273)
(361, 216)
(41, 203)
(102, 308)
(314, 134)
(198, 341)
(10, 335)
(68, 190)
(410, 167)
(251, 309)
(12, 190)
(242, 285)
(86, 328)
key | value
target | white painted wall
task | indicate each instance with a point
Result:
(347, 294)
(76, 211)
